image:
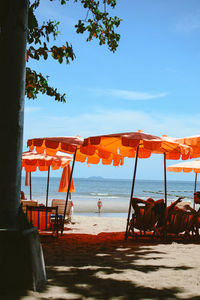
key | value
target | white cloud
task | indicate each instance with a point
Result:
(54, 12)
(106, 122)
(128, 95)
(31, 109)
(189, 23)
(133, 95)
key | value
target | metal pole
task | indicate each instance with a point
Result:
(165, 179)
(195, 188)
(67, 196)
(30, 187)
(132, 189)
(47, 194)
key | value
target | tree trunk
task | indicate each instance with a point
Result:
(13, 31)
(21, 257)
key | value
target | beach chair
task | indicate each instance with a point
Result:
(144, 220)
(197, 225)
(179, 221)
(61, 206)
(41, 217)
(29, 203)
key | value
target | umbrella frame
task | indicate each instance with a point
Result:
(165, 179)
(195, 188)
(132, 190)
(30, 187)
(67, 196)
(47, 193)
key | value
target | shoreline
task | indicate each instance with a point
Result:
(102, 214)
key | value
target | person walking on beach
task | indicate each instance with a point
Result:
(99, 205)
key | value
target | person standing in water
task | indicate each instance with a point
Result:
(99, 205)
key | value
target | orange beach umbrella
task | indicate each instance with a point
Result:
(31, 161)
(135, 144)
(186, 167)
(74, 146)
(71, 145)
(192, 141)
(67, 144)
(64, 182)
(51, 145)
(126, 145)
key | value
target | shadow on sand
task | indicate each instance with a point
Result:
(81, 266)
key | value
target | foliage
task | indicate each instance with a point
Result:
(100, 26)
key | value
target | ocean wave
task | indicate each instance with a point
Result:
(152, 192)
(95, 197)
(105, 195)
(99, 194)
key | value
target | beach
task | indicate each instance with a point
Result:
(92, 260)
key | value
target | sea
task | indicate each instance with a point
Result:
(114, 193)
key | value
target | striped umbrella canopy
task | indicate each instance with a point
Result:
(33, 161)
(193, 142)
(74, 145)
(126, 145)
(187, 167)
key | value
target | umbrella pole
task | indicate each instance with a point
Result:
(47, 194)
(195, 188)
(67, 196)
(132, 189)
(165, 179)
(30, 187)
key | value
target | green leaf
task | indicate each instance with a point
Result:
(32, 21)
(60, 59)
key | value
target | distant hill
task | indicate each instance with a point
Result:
(95, 178)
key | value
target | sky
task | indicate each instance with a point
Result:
(150, 83)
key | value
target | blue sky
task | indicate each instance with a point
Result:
(151, 82)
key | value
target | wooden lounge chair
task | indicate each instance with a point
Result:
(29, 203)
(143, 219)
(139, 222)
(197, 224)
(61, 206)
(179, 220)
(41, 217)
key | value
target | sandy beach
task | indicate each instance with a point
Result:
(93, 261)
